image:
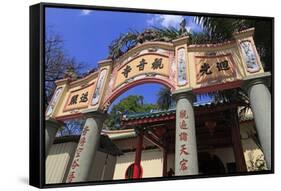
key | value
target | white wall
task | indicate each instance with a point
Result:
(97, 166)
(109, 168)
(60, 158)
(102, 167)
(152, 163)
(58, 162)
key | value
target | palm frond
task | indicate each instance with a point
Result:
(127, 41)
(164, 100)
(169, 33)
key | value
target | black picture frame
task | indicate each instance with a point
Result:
(37, 107)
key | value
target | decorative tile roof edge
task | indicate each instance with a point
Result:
(119, 134)
(251, 30)
(170, 111)
(173, 111)
(213, 45)
(109, 132)
(123, 136)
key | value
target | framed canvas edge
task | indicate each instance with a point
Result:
(36, 97)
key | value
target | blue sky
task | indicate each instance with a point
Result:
(88, 33)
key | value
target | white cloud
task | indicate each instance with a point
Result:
(165, 20)
(86, 12)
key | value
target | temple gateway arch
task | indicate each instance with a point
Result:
(187, 70)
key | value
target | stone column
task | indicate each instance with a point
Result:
(51, 128)
(86, 149)
(186, 161)
(260, 100)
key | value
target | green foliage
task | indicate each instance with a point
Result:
(127, 41)
(128, 105)
(220, 28)
(164, 100)
(215, 30)
(205, 38)
(233, 96)
(166, 34)
(123, 44)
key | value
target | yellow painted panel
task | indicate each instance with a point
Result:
(152, 63)
(214, 68)
(79, 98)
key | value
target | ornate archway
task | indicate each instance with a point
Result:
(185, 69)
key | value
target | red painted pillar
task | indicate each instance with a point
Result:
(237, 145)
(165, 153)
(137, 165)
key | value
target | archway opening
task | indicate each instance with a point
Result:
(138, 98)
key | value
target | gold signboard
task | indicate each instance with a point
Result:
(214, 69)
(78, 99)
(145, 64)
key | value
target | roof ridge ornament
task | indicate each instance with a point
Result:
(70, 73)
(182, 30)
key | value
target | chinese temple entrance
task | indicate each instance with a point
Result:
(216, 128)
(187, 69)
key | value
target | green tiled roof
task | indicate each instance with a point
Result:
(201, 101)
(149, 114)
(157, 113)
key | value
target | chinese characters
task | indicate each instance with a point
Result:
(205, 68)
(155, 65)
(75, 164)
(215, 69)
(183, 137)
(126, 71)
(73, 100)
(84, 97)
(142, 64)
(77, 98)
(223, 65)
